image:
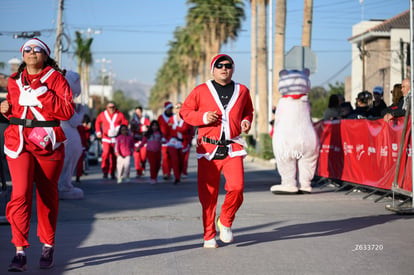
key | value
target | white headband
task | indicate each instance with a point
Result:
(37, 42)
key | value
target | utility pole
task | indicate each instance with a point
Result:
(270, 61)
(103, 61)
(307, 23)
(59, 32)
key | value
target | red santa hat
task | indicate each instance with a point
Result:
(219, 58)
(37, 42)
(168, 105)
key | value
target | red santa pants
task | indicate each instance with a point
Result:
(154, 159)
(45, 171)
(166, 163)
(139, 160)
(176, 159)
(186, 155)
(209, 173)
(108, 164)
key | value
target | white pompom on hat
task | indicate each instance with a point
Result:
(73, 79)
(220, 57)
(168, 105)
(37, 42)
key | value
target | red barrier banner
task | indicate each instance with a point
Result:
(364, 152)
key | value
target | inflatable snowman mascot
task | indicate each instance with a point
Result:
(295, 142)
(73, 145)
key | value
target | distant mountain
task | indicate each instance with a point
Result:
(134, 89)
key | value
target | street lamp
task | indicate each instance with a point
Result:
(103, 61)
(90, 31)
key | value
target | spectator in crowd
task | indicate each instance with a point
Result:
(397, 94)
(346, 109)
(363, 103)
(223, 110)
(38, 99)
(165, 120)
(124, 146)
(378, 104)
(107, 126)
(397, 100)
(139, 126)
(153, 140)
(333, 112)
(399, 112)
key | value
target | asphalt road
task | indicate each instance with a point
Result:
(138, 228)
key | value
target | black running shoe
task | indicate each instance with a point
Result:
(46, 261)
(18, 263)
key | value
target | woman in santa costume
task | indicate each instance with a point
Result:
(107, 127)
(38, 98)
(222, 110)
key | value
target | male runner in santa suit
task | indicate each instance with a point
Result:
(222, 110)
(175, 144)
(107, 126)
(139, 126)
(166, 121)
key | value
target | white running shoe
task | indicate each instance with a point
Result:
(305, 190)
(226, 236)
(210, 243)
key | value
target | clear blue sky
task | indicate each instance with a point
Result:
(135, 33)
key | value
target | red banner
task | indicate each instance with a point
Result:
(364, 152)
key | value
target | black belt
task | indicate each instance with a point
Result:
(217, 142)
(31, 123)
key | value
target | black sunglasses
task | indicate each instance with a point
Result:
(221, 65)
(36, 49)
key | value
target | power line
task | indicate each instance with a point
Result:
(336, 74)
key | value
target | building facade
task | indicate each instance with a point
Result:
(380, 55)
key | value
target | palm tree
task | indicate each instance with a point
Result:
(84, 55)
(262, 87)
(219, 22)
(307, 23)
(210, 23)
(279, 61)
(253, 62)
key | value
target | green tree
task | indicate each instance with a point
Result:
(219, 21)
(124, 104)
(210, 23)
(319, 98)
(84, 55)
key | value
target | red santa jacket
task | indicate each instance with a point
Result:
(108, 125)
(165, 123)
(51, 101)
(178, 133)
(204, 98)
(139, 126)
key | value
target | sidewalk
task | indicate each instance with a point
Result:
(138, 228)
